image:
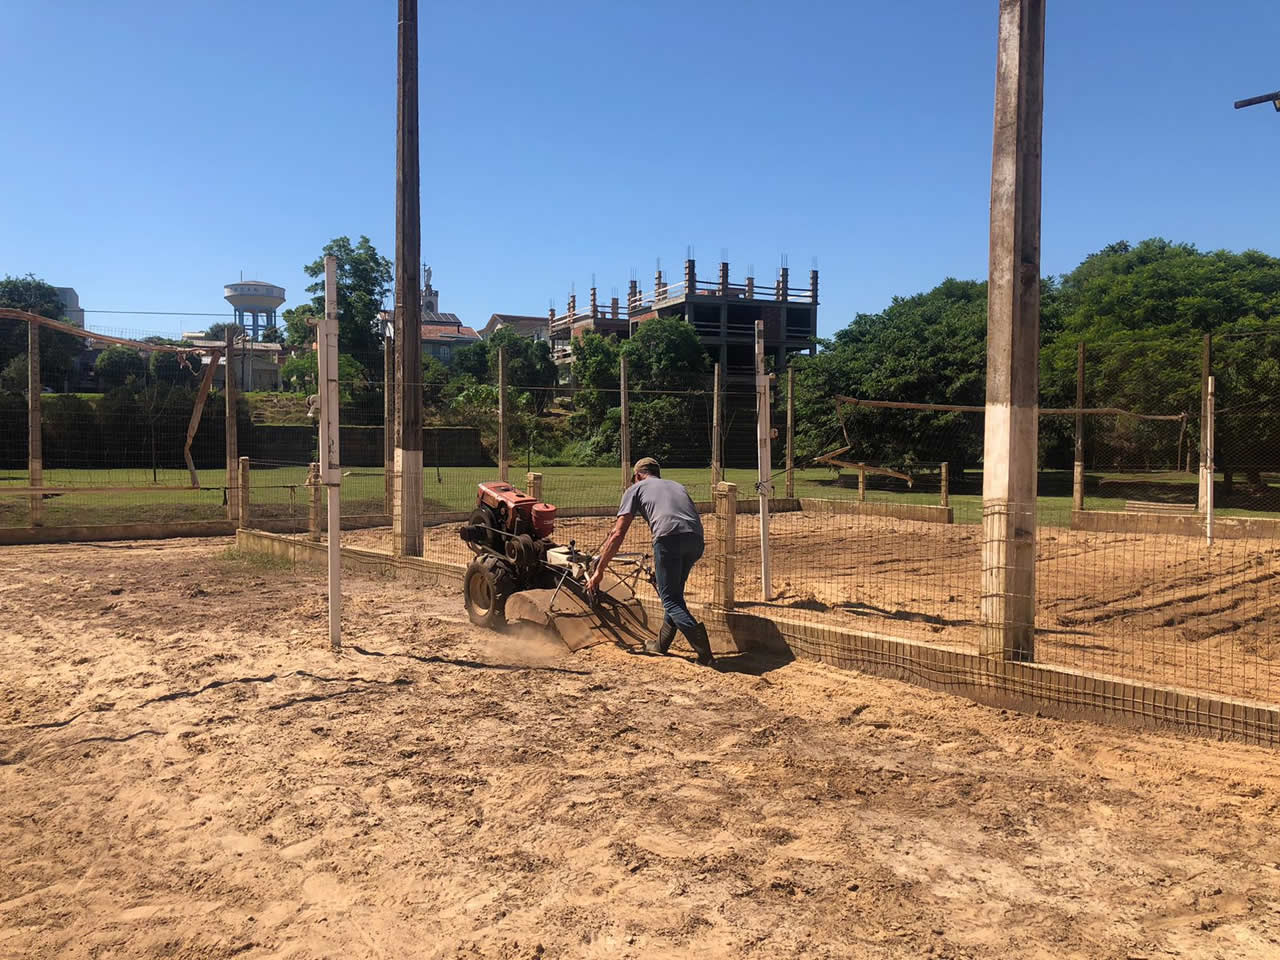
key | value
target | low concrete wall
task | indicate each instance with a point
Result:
(920, 512)
(1028, 687)
(1178, 525)
(13, 536)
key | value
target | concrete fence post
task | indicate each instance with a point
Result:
(726, 540)
(317, 508)
(244, 492)
(533, 485)
(944, 497)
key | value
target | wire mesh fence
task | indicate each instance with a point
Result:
(877, 522)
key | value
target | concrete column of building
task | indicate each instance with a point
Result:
(690, 277)
(613, 308)
(813, 286)
(573, 305)
(633, 295)
(1013, 338)
(406, 521)
(724, 279)
(784, 281)
(751, 287)
(659, 287)
(595, 312)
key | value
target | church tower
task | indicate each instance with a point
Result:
(430, 296)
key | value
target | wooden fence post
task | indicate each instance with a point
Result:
(35, 456)
(317, 511)
(533, 485)
(726, 501)
(233, 450)
(244, 492)
(862, 483)
(944, 498)
(625, 438)
(791, 430)
(717, 433)
(502, 413)
(1077, 472)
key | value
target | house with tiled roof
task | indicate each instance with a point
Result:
(533, 327)
(443, 333)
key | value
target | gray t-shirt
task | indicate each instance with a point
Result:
(665, 505)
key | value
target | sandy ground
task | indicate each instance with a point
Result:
(1163, 609)
(186, 771)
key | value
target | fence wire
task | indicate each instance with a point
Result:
(884, 532)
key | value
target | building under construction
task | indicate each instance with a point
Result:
(723, 313)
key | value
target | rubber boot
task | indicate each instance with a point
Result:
(701, 645)
(666, 633)
(662, 643)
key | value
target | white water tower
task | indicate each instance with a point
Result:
(254, 299)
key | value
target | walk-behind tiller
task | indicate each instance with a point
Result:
(520, 573)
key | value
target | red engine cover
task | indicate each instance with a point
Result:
(544, 520)
(542, 515)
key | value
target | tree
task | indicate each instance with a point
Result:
(173, 368)
(472, 360)
(529, 365)
(301, 374)
(595, 372)
(13, 379)
(272, 335)
(930, 348)
(116, 365)
(219, 331)
(57, 350)
(364, 281)
(299, 331)
(665, 353)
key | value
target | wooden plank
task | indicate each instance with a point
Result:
(197, 412)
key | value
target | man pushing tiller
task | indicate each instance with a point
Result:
(677, 545)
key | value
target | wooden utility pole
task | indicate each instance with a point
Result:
(764, 460)
(1208, 508)
(1013, 338)
(233, 447)
(407, 516)
(717, 431)
(625, 438)
(1077, 478)
(502, 414)
(35, 454)
(389, 420)
(791, 428)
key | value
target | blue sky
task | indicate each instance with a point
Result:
(155, 150)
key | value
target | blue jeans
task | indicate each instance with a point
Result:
(673, 558)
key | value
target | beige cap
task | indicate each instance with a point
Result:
(645, 462)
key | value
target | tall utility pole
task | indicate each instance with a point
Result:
(406, 520)
(1013, 338)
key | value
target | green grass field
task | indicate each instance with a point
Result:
(280, 492)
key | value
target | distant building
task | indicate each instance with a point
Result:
(444, 333)
(257, 364)
(71, 308)
(535, 328)
(724, 314)
(254, 303)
